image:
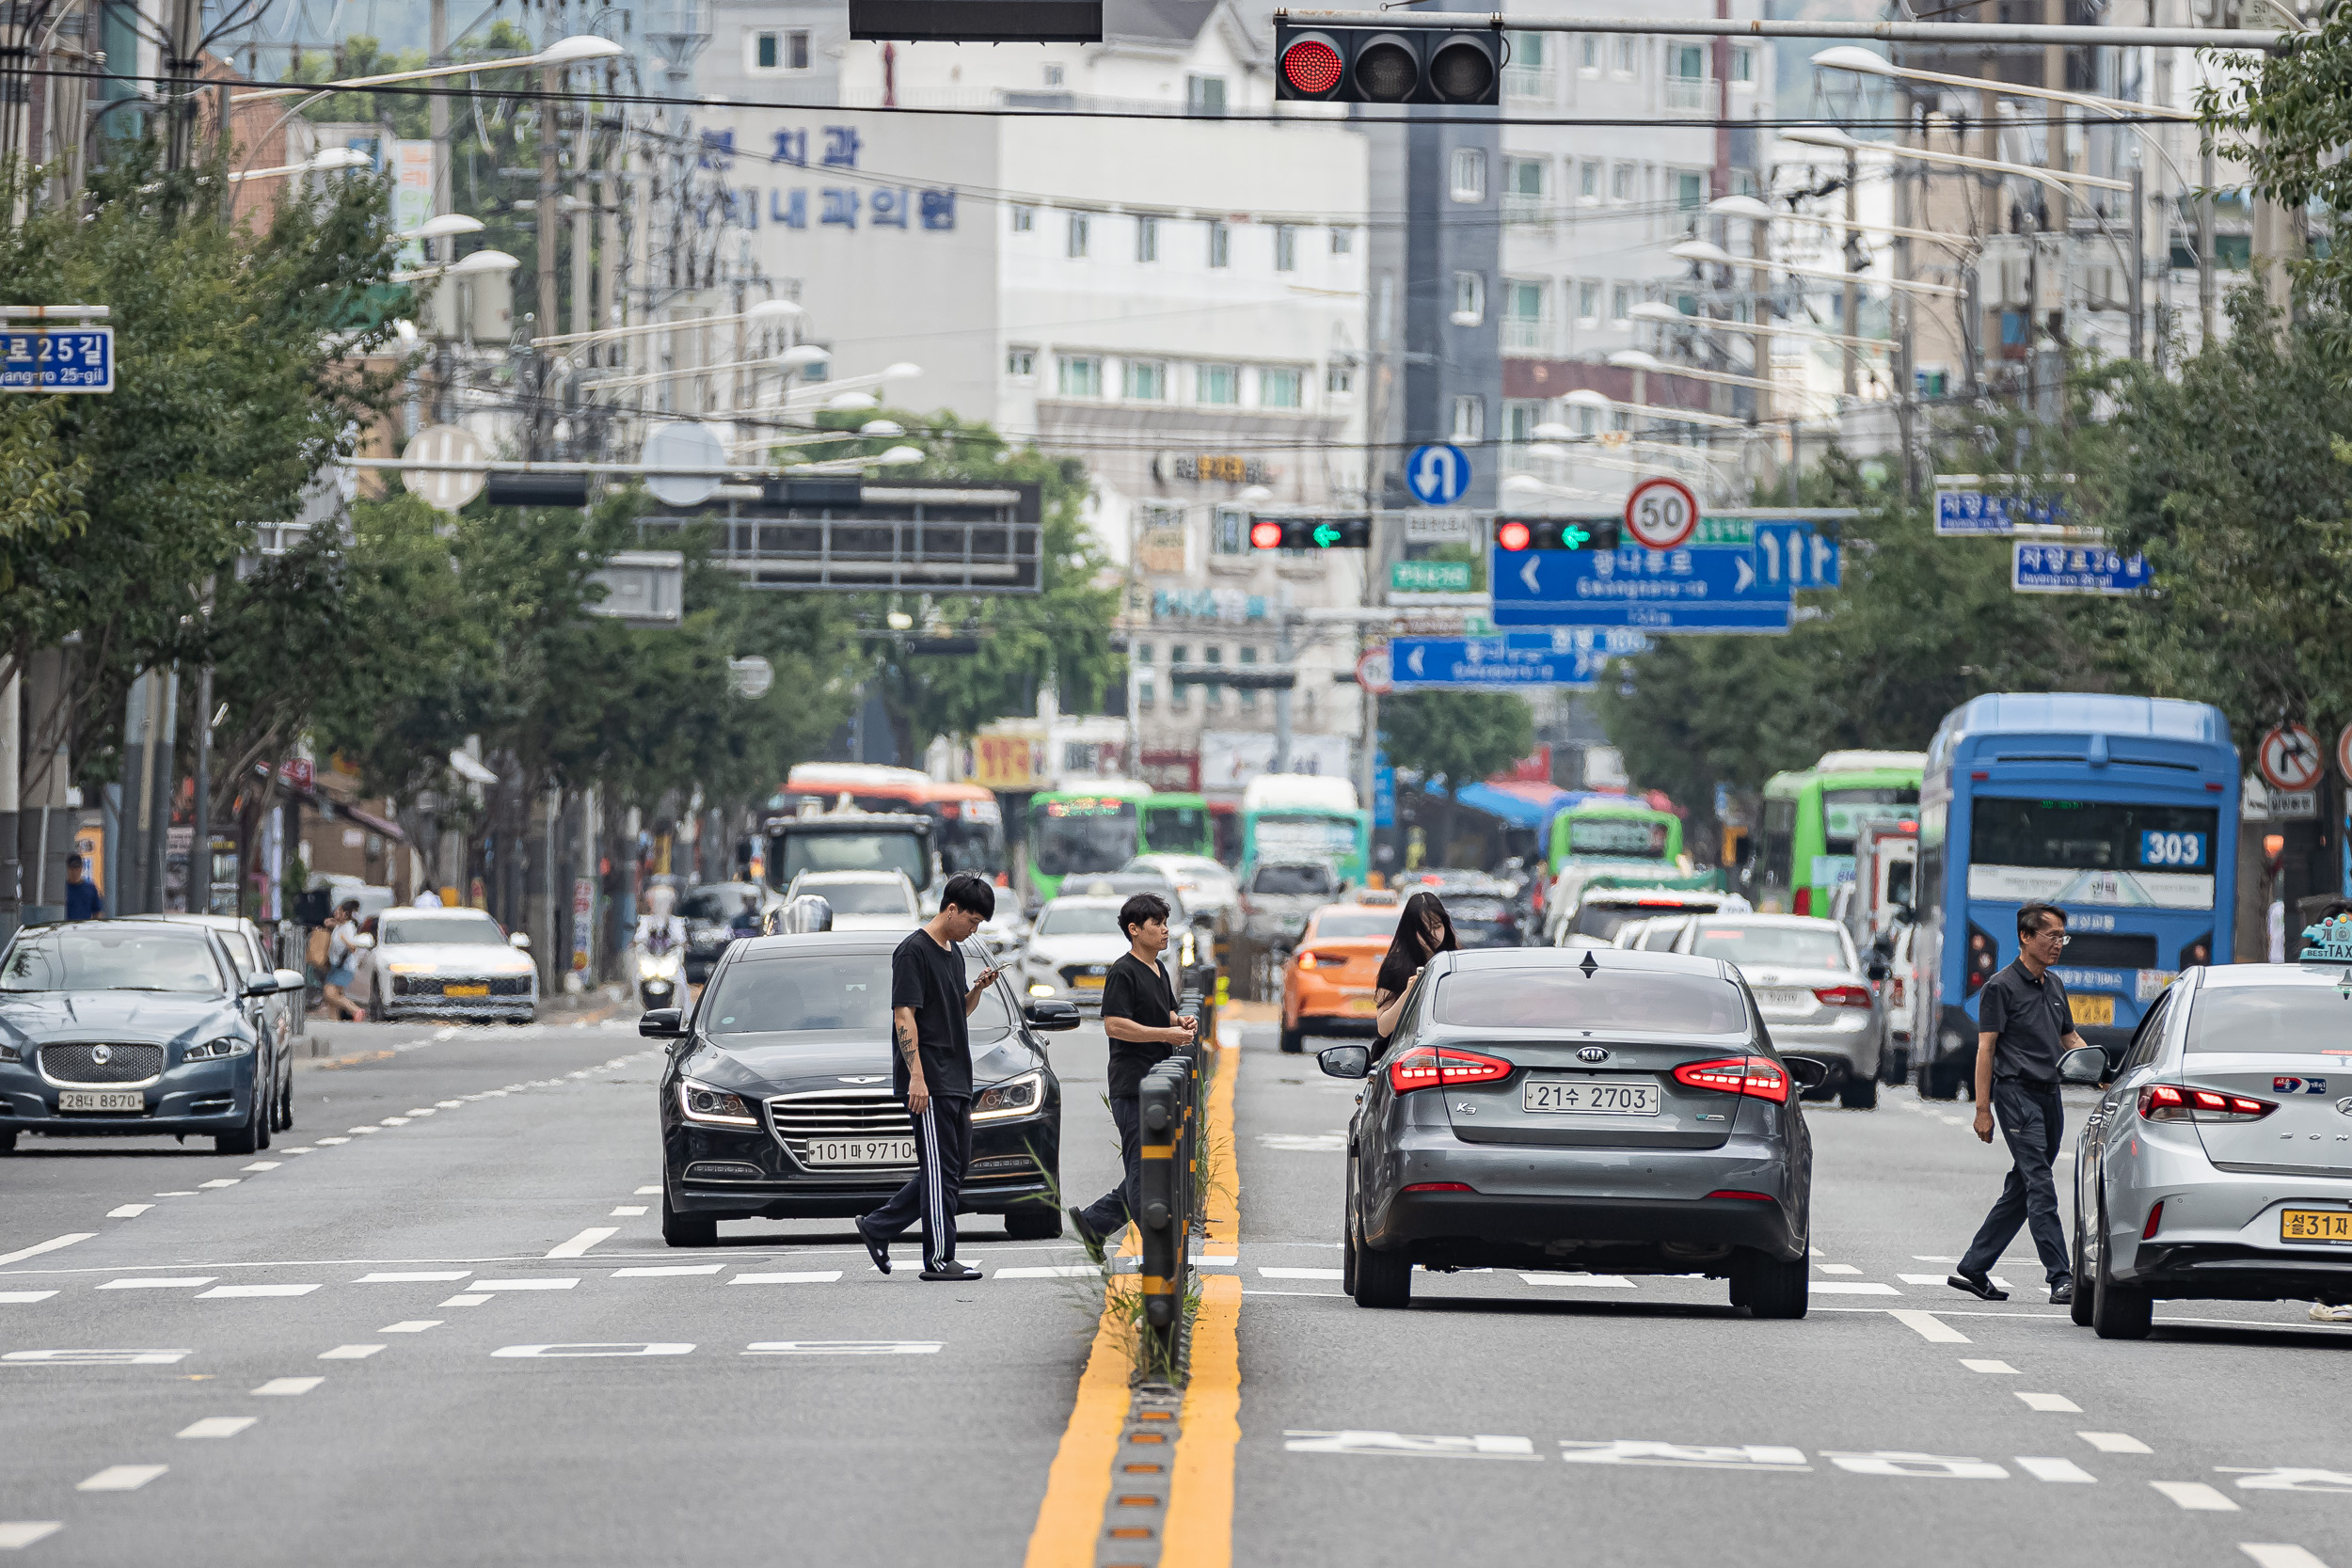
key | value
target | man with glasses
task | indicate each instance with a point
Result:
(2024, 1024)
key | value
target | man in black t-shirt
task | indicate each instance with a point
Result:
(932, 1071)
(1139, 1016)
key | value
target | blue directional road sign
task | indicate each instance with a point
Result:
(1439, 475)
(2073, 569)
(1697, 588)
(1970, 513)
(56, 358)
(1565, 656)
(1793, 553)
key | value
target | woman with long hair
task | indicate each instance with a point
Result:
(1423, 930)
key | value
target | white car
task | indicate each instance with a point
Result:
(1204, 885)
(862, 900)
(442, 964)
(1070, 951)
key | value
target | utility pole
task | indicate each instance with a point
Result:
(1906, 408)
(436, 118)
(11, 800)
(187, 32)
(1851, 317)
(549, 238)
(1283, 658)
(200, 811)
(2054, 118)
(2207, 290)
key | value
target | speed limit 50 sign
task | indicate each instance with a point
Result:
(1662, 513)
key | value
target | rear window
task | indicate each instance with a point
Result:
(1623, 1001)
(1294, 881)
(1790, 945)
(1375, 922)
(2264, 1019)
(862, 897)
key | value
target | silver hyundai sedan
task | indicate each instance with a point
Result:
(1587, 1110)
(2219, 1163)
(1815, 994)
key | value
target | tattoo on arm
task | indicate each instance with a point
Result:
(906, 1043)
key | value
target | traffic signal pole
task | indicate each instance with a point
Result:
(1891, 32)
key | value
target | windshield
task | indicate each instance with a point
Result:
(1373, 922)
(1603, 920)
(1846, 812)
(828, 990)
(719, 901)
(885, 849)
(861, 897)
(1084, 836)
(1294, 881)
(2264, 1019)
(966, 845)
(1175, 829)
(1304, 837)
(95, 957)
(1791, 946)
(457, 928)
(1617, 836)
(1077, 920)
(1619, 1000)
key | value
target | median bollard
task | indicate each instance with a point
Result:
(1173, 1105)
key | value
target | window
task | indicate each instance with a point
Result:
(779, 51)
(1279, 388)
(1686, 79)
(1623, 59)
(1053, 76)
(1621, 183)
(1021, 363)
(1690, 189)
(1525, 187)
(1529, 73)
(1342, 242)
(1145, 695)
(1216, 383)
(1469, 298)
(1588, 181)
(1588, 303)
(1023, 219)
(1743, 65)
(1248, 694)
(1078, 226)
(1214, 655)
(1146, 239)
(1524, 316)
(1229, 531)
(766, 57)
(1588, 54)
(1519, 419)
(1147, 380)
(1339, 380)
(1285, 247)
(1469, 174)
(1621, 303)
(1081, 375)
(1469, 417)
(1221, 243)
(1204, 95)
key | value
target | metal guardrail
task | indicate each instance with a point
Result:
(1175, 1159)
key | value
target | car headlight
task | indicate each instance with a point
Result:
(1186, 957)
(1040, 988)
(412, 967)
(700, 1102)
(212, 1051)
(1023, 1096)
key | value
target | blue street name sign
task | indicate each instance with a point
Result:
(1567, 656)
(57, 358)
(2074, 569)
(1697, 588)
(1972, 513)
(1437, 474)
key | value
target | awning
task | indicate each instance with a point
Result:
(1521, 805)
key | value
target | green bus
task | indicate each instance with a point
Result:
(1804, 846)
(1611, 828)
(1094, 826)
(1178, 824)
(1304, 817)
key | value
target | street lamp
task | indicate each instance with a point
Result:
(1831, 137)
(1666, 315)
(1862, 62)
(1749, 209)
(1584, 397)
(326, 161)
(563, 51)
(473, 265)
(1635, 359)
(1710, 254)
(765, 312)
(447, 226)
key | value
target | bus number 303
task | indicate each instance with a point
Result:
(2171, 848)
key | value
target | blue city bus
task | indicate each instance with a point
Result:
(2122, 811)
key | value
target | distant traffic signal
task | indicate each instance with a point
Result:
(1388, 65)
(1557, 533)
(1310, 533)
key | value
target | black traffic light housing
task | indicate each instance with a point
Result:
(1557, 533)
(1388, 65)
(1310, 533)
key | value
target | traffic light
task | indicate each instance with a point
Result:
(1557, 533)
(1310, 533)
(1388, 65)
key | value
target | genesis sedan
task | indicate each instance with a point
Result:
(776, 1101)
(1590, 1109)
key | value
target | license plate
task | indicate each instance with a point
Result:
(100, 1099)
(1592, 1097)
(465, 991)
(2316, 1225)
(860, 1151)
(1356, 1006)
(1089, 982)
(1787, 999)
(2092, 1010)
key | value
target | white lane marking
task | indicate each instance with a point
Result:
(362, 1131)
(234, 1290)
(420, 1111)
(391, 1122)
(1921, 1278)
(524, 1283)
(349, 1353)
(216, 1426)
(627, 1211)
(1479, 1446)
(95, 1357)
(410, 1325)
(843, 1347)
(1898, 1462)
(122, 1478)
(465, 1301)
(2265, 1553)
(404, 1277)
(1683, 1456)
(579, 1245)
(297, 1150)
(190, 1193)
(1928, 1326)
(666, 1269)
(17, 1534)
(261, 1164)
(2287, 1477)
(1299, 1274)
(2050, 1401)
(26, 1295)
(1932, 1258)
(813, 1276)
(1852, 1288)
(1305, 1143)
(1213, 1260)
(1999, 1368)
(647, 1192)
(2114, 1442)
(50, 1245)
(334, 1140)
(129, 1211)
(2195, 1495)
(221, 1181)
(568, 1352)
(2055, 1469)
(1836, 1268)
(1816, 1252)
(447, 1104)
(286, 1388)
(1055, 1271)
(1593, 1281)
(158, 1284)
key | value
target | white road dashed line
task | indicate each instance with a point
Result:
(627, 1211)
(2265, 1554)
(666, 1269)
(1055, 1271)
(1595, 1281)
(129, 1211)
(1836, 1268)
(1852, 1288)
(260, 1165)
(1929, 1326)
(2055, 1469)
(647, 1192)
(2050, 1401)
(2114, 1442)
(578, 1245)
(405, 1276)
(1997, 1367)
(468, 1300)
(25, 1295)
(120, 1477)
(17, 1534)
(410, 1325)
(334, 1140)
(2195, 1495)
(349, 1353)
(1299, 1274)
(50, 1245)
(524, 1283)
(286, 1388)
(219, 1181)
(237, 1291)
(157, 1284)
(814, 1276)
(216, 1426)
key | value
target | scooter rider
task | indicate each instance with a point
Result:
(659, 948)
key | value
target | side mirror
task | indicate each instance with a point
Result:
(662, 1023)
(1052, 1017)
(2088, 1065)
(521, 939)
(1878, 968)
(260, 983)
(1345, 1061)
(290, 979)
(1807, 1072)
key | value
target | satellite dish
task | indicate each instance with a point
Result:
(444, 489)
(682, 444)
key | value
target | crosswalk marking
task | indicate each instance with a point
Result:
(1928, 1326)
(2114, 1442)
(813, 1276)
(256, 1291)
(403, 1277)
(1852, 1288)
(579, 1245)
(2195, 1495)
(664, 1270)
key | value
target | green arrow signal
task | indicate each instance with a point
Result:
(1325, 535)
(1574, 537)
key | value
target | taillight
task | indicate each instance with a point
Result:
(1426, 1068)
(1804, 902)
(2155, 1217)
(1843, 996)
(1438, 1187)
(1753, 1076)
(2167, 1103)
(1307, 960)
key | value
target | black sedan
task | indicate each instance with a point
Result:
(776, 1102)
(1484, 909)
(132, 1028)
(1589, 1110)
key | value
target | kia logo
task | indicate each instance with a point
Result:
(1600, 1053)
(102, 1054)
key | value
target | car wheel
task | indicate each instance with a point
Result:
(1293, 1041)
(1860, 1092)
(1383, 1278)
(252, 1136)
(1347, 1228)
(1938, 1082)
(2117, 1311)
(2080, 1308)
(1772, 1288)
(686, 1229)
(1039, 1222)
(285, 1104)
(8, 1142)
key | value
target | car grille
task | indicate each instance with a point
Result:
(503, 985)
(124, 1063)
(837, 1114)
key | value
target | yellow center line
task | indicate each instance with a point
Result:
(1199, 1533)
(1069, 1519)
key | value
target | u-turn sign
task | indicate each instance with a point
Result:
(1438, 474)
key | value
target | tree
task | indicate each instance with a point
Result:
(1460, 737)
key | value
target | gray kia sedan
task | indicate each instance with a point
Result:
(1586, 1110)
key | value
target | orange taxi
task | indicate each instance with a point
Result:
(1326, 986)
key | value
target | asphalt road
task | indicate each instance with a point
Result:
(418, 1331)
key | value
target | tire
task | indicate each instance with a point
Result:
(253, 1136)
(1383, 1278)
(1039, 1222)
(686, 1229)
(1938, 1082)
(285, 1104)
(1347, 1239)
(8, 1142)
(1293, 1041)
(2080, 1308)
(1859, 1093)
(2117, 1311)
(1770, 1287)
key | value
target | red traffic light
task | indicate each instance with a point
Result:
(1310, 65)
(1265, 534)
(1514, 535)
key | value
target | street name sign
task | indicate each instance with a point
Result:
(1566, 657)
(1699, 588)
(2075, 569)
(56, 357)
(1430, 577)
(1974, 513)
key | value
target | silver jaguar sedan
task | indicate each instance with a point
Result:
(2218, 1161)
(1586, 1110)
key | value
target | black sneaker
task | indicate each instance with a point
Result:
(878, 1251)
(951, 1270)
(2061, 1292)
(1979, 1286)
(1093, 1243)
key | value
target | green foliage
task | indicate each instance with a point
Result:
(41, 490)
(2287, 116)
(1463, 735)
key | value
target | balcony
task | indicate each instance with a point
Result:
(1689, 95)
(1526, 211)
(1529, 83)
(1526, 335)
